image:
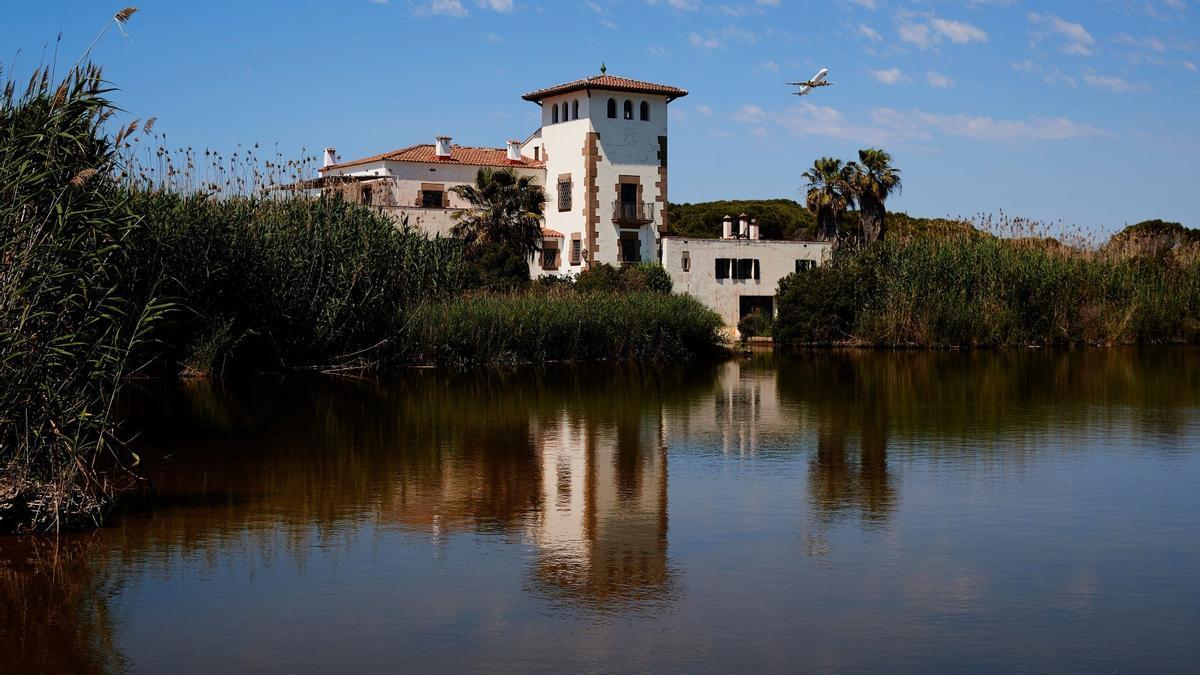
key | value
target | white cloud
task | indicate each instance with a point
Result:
(890, 125)
(705, 110)
(503, 6)
(686, 5)
(1190, 66)
(959, 32)
(890, 76)
(770, 66)
(928, 34)
(659, 51)
(1109, 82)
(1052, 76)
(717, 39)
(444, 8)
(380, 2)
(1075, 38)
(869, 4)
(981, 127)
(702, 42)
(917, 34)
(868, 33)
(751, 114)
(609, 24)
(938, 80)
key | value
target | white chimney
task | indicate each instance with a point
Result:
(754, 228)
(743, 226)
(443, 146)
(330, 157)
(727, 228)
(514, 151)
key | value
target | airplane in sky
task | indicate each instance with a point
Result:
(817, 80)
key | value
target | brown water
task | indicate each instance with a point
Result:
(837, 512)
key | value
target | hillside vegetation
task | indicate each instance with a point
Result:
(789, 219)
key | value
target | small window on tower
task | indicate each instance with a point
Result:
(575, 109)
(686, 262)
(645, 111)
(564, 194)
(628, 110)
(554, 114)
(612, 108)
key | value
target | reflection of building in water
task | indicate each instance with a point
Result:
(751, 407)
(589, 490)
(742, 411)
(602, 530)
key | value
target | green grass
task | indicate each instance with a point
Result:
(538, 327)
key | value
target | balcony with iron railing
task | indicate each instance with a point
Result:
(633, 213)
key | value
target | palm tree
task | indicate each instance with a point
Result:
(829, 195)
(873, 180)
(506, 212)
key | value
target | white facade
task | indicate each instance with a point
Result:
(600, 154)
(696, 268)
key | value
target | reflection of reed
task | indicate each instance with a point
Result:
(54, 615)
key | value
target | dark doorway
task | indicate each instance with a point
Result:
(763, 303)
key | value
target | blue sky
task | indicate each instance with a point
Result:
(1080, 111)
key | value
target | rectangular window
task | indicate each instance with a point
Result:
(805, 265)
(549, 257)
(723, 268)
(576, 251)
(686, 262)
(366, 196)
(631, 247)
(564, 194)
(432, 199)
(745, 269)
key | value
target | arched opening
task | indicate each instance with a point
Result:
(645, 111)
(575, 109)
(612, 108)
(554, 114)
(628, 109)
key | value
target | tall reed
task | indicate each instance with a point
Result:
(68, 321)
(986, 290)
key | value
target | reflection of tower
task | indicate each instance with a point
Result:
(602, 534)
(836, 483)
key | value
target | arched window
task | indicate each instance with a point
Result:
(645, 111)
(554, 114)
(612, 108)
(564, 112)
(575, 109)
(628, 109)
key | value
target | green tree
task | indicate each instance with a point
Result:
(872, 181)
(506, 211)
(829, 194)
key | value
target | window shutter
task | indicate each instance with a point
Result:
(722, 268)
(756, 269)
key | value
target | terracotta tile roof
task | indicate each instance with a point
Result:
(426, 152)
(547, 232)
(608, 82)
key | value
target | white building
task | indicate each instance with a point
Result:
(601, 154)
(738, 273)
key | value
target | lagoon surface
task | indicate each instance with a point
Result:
(1026, 511)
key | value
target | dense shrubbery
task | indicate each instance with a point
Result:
(566, 326)
(270, 283)
(645, 276)
(990, 291)
(67, 317)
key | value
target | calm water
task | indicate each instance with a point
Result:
(846, 512)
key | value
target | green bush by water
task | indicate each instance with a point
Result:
(537, 327)
(992, 291)
(284, 282)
